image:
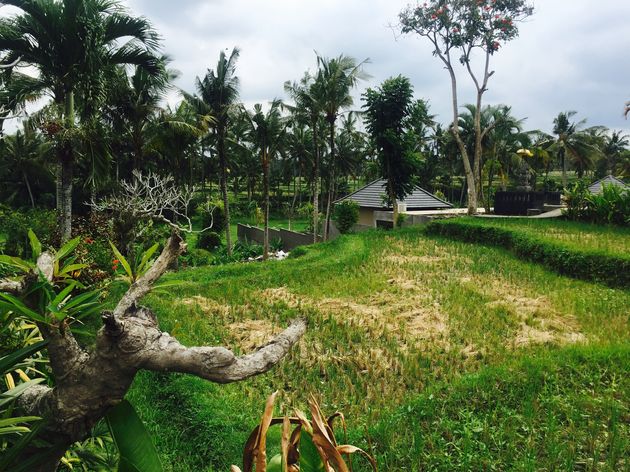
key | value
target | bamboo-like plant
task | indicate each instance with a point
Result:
(310, 447)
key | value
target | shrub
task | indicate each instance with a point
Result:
(208, 240)
(604, 268)
(240, 252)
(612, 206)
(400, 220)
(15, 226)
(346, 215)
(195, 258)
(276, 244)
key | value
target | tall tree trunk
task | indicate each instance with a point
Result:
(265, 166)
(297, 186)
(331, 185)
(468, 170)
(67, 164)
(392, 198)
(224, 189)
(563, 157)
(28, 188)
(315, 180)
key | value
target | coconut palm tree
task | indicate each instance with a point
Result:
(70, 43)
(614, 145)
(308, 106)
(333, 85)
(572, 143)
(218, 94)
(134, 103)
(23, 155)
(267, 134)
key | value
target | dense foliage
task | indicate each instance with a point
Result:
(611, 206)
(346, 215)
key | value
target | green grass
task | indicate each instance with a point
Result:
(442, 355)
(613, 240)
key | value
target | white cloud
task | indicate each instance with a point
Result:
(570, 56)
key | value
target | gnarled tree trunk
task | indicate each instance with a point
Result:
(89, 383)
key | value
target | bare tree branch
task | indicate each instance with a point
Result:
(218, 364)
(151, 197)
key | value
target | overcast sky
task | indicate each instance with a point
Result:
(571, 55)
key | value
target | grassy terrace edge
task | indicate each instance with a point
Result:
(596, 266)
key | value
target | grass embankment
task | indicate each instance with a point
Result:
(443, 356)
(611, 240)
(585, 251)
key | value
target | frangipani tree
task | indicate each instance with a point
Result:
(462, 31)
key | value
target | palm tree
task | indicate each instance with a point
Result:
(309, 107)
(335, 79)
(70, 43)
(572, 143)
(218, 94)
(22, 155)
(175, 140)
(299, 154)
(614, 145)
(267, 132)
(135, 102)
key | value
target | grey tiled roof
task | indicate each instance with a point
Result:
(596, 187)
(371, 196)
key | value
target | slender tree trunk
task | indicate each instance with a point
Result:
(58, 200)
(563, 156)
(315, 180)
(331, 185)
(490, 178)
(67, 164)
(468, 170)
(392, 197)
(265, 166)
(224, 189)
(297, 186)
(28, 188)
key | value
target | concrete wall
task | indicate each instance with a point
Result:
(251, 234)
(366, 217)
(410, 220)
(290, 239)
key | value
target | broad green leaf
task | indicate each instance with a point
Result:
(61, 296)
(17, 306)
(71, 268)
(16, 263)
(13, 429)
(123, 261)
(125, 466)
(146, 256)
(84, 298)
(8, 425)
(67, 248)
(310, 460)
(8, 362)
(36, 246)
(137, 452)
(275, 464)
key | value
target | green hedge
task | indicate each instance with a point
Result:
(587, 265)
